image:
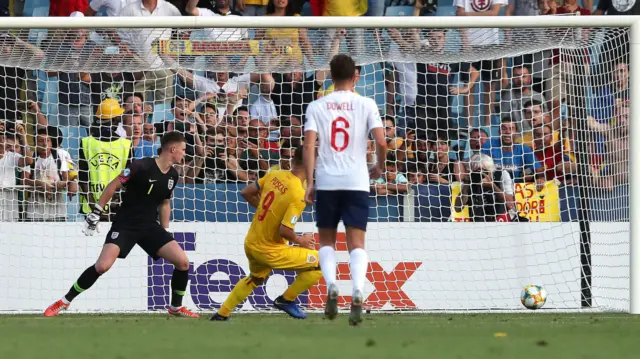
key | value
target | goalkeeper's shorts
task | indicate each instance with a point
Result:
(149, 238)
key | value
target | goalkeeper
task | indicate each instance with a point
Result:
(279, 201)
(149, 183)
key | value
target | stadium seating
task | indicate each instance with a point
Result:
(399, 11)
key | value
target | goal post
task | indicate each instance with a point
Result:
(423, 257)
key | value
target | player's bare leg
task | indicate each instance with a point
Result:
(328, 265)
(174, 254)
(358, 264)
(107, 257)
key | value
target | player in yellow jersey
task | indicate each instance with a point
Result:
(279, 201)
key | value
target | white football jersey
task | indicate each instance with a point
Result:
(342, 120)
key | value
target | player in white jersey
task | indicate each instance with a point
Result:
(341, 122)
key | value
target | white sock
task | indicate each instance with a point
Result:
(358, 263)
(328, 263)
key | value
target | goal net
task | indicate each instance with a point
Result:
(508, 160)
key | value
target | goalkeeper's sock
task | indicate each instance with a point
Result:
(84, 282)
(179, 281)
(328, 263)
(239, 293)
(304, 281)
(358, 263)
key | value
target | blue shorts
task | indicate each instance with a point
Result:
(350, 206)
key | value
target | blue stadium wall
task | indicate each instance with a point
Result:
(223, 203)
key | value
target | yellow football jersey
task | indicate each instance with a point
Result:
(345, 7)
(281, 202)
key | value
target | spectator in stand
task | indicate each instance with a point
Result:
(487, 191)
(286, 154)
(219, 8)
(242, 117)
(149, 133)
(482, 40)
(515, 158)
(49, 179)
(440, 169)
(435, 86)
(557, 164)
(212, 168)
(417, 148)
(520, 92)
(293, 92)
(102, 157)
(295, 40)
(611, 93)
(615, 170)
(13, 78)
(69, 49)
(257, 154)
(291, 131)
(189, 123)
(570, 67)
(10, 162)
(111, 7)
(616, 45)
(140, 41)
(227, 94)
(478, 141)
(134, 103)
(264, 109)
(133, 126)
(392, 182)
(209, 115)
(538, 62)
(231, 156)
(401, 77)
(534, 117)
(251, 7)
(67, 7)
(416, 174)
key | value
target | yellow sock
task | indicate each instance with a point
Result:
(304, 281)
(239, 293)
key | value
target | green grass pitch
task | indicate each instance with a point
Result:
(442, 336)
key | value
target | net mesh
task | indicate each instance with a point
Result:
(483, 125)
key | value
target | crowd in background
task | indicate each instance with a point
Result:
(521, 119)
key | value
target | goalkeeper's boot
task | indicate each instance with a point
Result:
(331, 309)
(289, 307)
(355, 317)
(183, 312)
(55, 308)
(219, 318)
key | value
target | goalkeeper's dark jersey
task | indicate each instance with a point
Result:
(145, 188)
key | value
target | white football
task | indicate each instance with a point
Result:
(533, 296)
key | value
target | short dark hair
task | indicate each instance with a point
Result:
(479, 130)
(171, 138)
(342, 68)
(530, 103)
(134, 94)
(506, 119)
(241, 108)
(298, 157)
(390, 118)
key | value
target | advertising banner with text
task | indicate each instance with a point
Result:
(413, 266)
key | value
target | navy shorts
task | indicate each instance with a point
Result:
(350, 206)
